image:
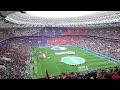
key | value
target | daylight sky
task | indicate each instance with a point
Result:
(60, 14)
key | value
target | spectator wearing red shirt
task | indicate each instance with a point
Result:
(116, 75)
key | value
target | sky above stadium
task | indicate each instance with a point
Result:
(59, 14)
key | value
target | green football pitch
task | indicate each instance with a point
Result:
(53, 65)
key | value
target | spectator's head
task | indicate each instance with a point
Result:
(106, 75)
(99, 75)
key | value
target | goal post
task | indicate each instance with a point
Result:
(83, 68)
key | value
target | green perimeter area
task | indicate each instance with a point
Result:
(55, 67)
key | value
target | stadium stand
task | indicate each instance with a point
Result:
(108, 73)
(23, 32)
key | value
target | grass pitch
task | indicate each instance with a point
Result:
(52, 62)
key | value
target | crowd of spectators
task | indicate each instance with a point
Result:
(15, 44)
(108, 48)
(112, 33)
(107, 73)
(103, 46)
(14, 57)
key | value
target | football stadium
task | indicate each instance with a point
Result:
(59, 44)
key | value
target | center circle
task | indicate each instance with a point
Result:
(72, 60)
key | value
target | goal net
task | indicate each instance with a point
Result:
(82, 68)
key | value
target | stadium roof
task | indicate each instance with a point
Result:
(88, 19)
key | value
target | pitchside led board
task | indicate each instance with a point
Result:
(51, 24)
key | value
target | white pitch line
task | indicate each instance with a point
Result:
(37, 68)
(41, 69)
(58, 69)
(70, 68)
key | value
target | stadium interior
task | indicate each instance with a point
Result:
(79, 47)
